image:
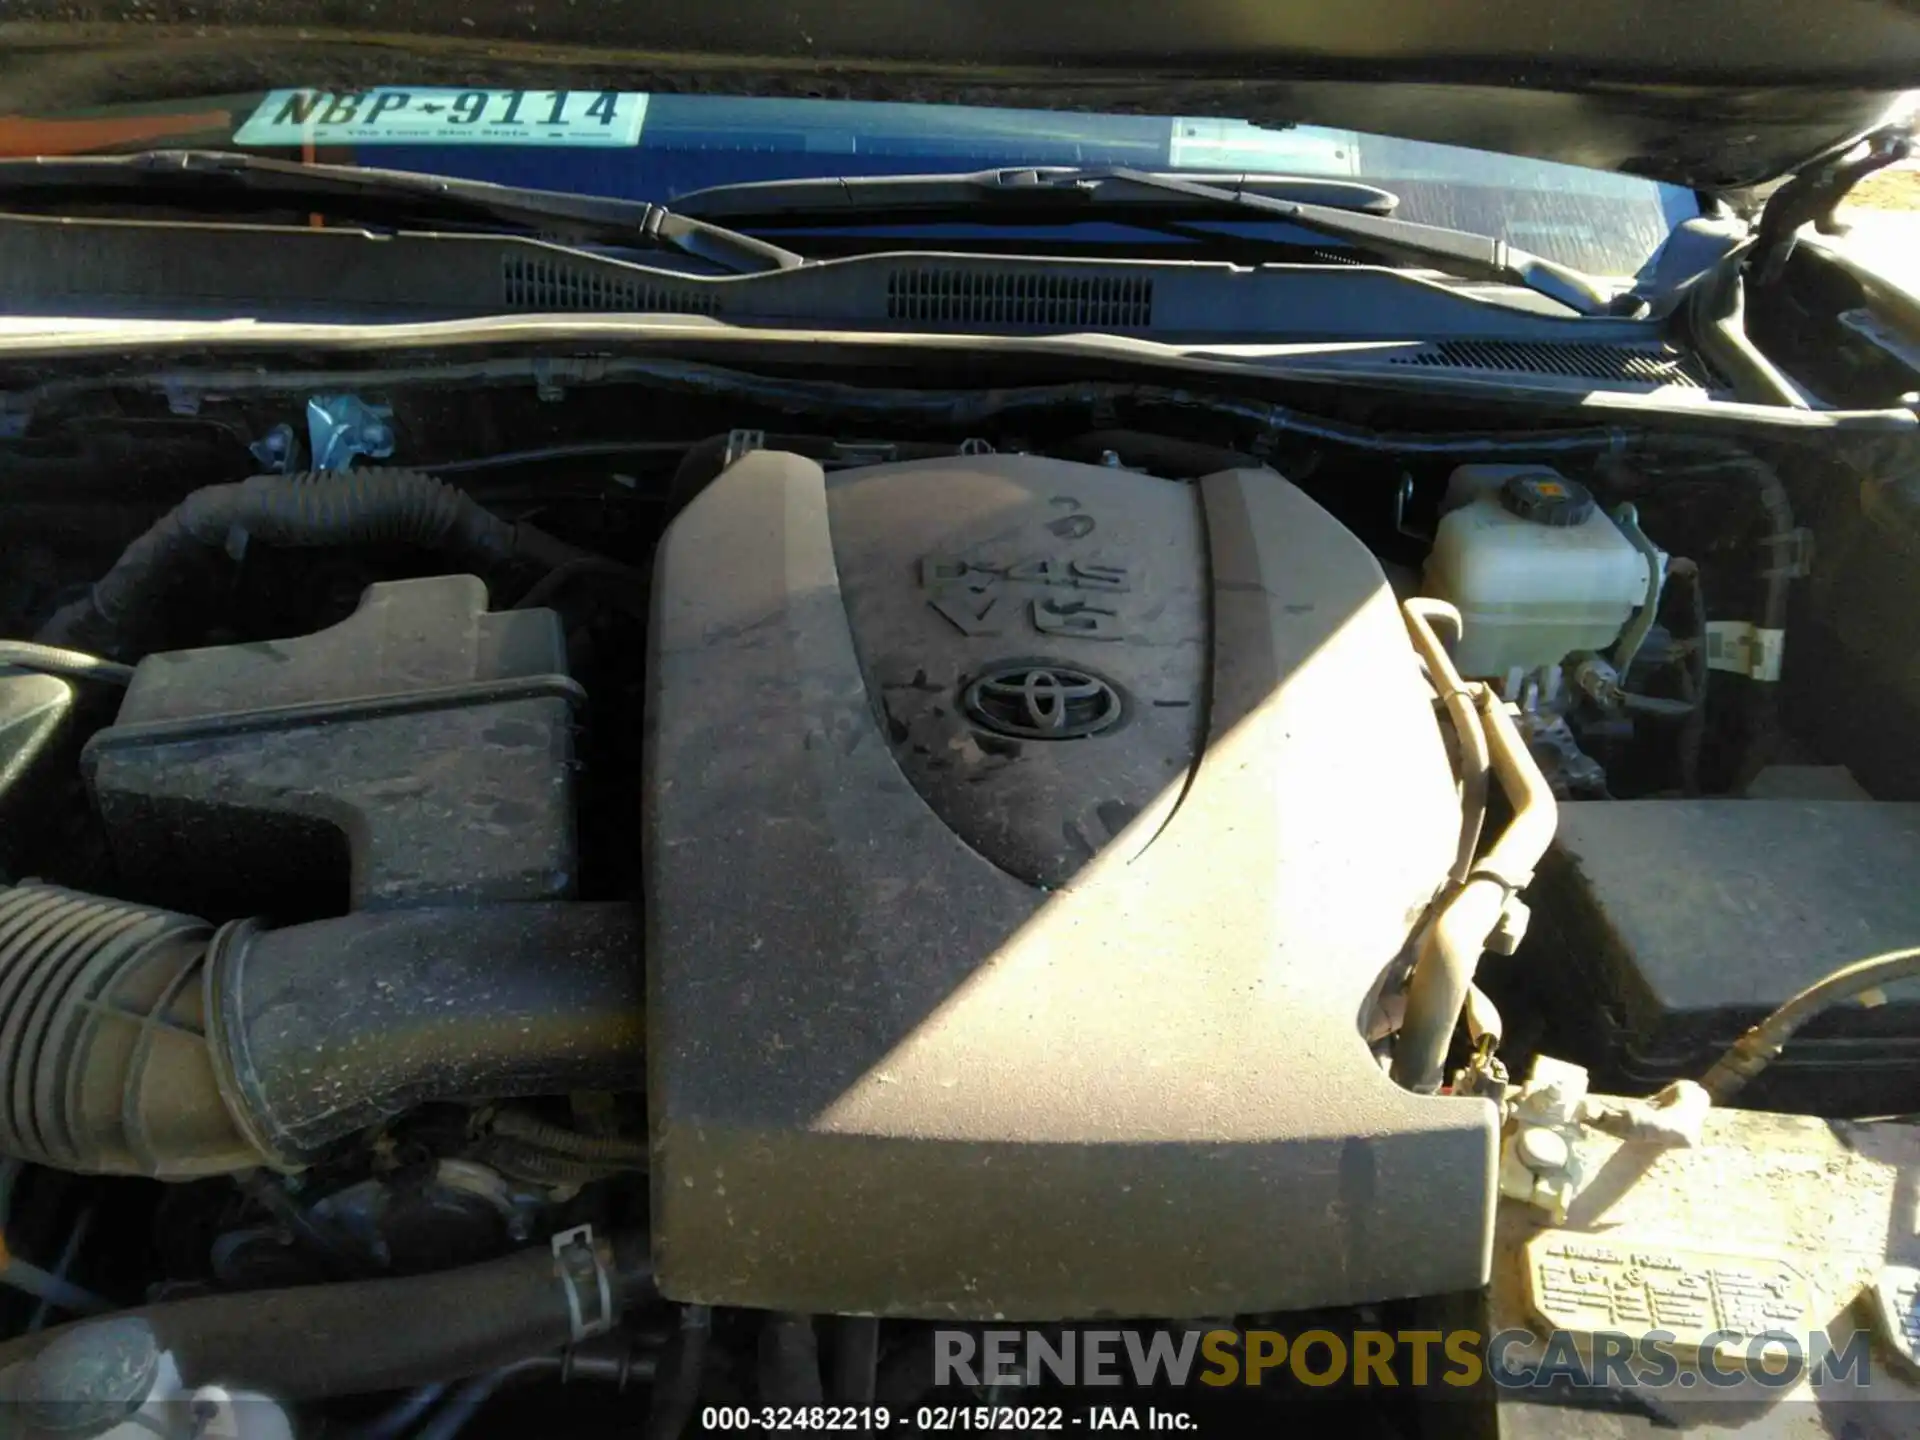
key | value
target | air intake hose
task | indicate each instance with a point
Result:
(136, 1041)
(349, 507)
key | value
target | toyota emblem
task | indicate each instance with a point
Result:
(1031, 700)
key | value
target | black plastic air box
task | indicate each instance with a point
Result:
(1665, 928)
(417, 753)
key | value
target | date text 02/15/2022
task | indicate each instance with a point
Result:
(943, 1419)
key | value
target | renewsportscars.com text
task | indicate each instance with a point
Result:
(1457, 1359)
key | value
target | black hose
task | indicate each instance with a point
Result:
(1694, 677)
(968, 410)
(789, 1368)
(1782, 541)
(425, 1005)
(315, 1342)
(1660, 707)
(856, 1359)
(397, 1419)
(676, 1390)
(1654, 431)
(630, 581)
(1783, 564)
(1687, 574)
(1167, 455)
(1780, 564)
(618, 1368)
(1770, 497)
(354, 507)
(705, 459)
(550, 454)
(1754, 1051)
(472, 1397)
(697, 469)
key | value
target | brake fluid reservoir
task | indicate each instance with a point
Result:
(1534, 566)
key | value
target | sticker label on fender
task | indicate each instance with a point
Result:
(392, 115)
(1740, 647)
(1704, 1299)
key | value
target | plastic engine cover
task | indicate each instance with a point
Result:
(1027, 841)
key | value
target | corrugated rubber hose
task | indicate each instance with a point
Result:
(137, 1041)
(352, 507)
(607, 1149)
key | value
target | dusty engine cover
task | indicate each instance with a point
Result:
(1026, 842)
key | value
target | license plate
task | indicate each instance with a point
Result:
(395, 115)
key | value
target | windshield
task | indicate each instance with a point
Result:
(656, 147)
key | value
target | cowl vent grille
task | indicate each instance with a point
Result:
(540, 284)
(985, 297)
(1643, 364)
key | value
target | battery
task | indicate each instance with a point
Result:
(1663, 929)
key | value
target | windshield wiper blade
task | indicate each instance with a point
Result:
(1342, 209)
(1043, 191)
(192, 177)
(1462, 252)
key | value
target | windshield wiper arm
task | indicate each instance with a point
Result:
(1043, 191)
(189, 177)
(1462, 252)
(1342, 209)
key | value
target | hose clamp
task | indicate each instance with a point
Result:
(583, 1272)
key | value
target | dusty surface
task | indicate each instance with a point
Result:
(1889, 190)
(1884, 213)
(1828, 1202)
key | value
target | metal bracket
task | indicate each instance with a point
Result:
(180, 399)
(1812, 196)
(578, 1263)
(852, 453)
(741, 443)
(1511, 929)
(341, 428)
(546, 382)
(1402, 498)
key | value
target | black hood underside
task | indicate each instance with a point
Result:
(1716, 94)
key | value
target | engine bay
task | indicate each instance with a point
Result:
(703, 882)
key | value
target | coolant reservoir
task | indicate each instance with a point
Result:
(1535, 568)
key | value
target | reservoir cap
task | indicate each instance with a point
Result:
(1546, 498)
